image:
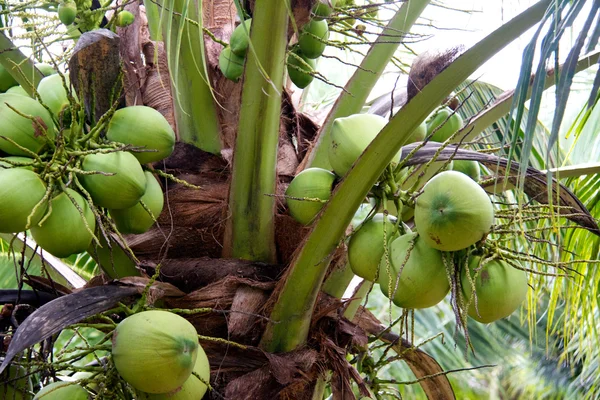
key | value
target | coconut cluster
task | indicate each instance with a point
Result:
(69, 14)
(233, 57)
(158, 354)
(61, 176)
(312, 41)
(155, 352)
(449, 213)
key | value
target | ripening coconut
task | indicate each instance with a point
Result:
(417, 270)
(366, 246)
(31, 134)
(121, 190)
(500, 289)
(312, 183)
(20, 191)
(144, 127)
(453, 212)
(155, 351)
(350, 136)
(136, 219)
(64, 231)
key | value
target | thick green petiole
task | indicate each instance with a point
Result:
(251, 231)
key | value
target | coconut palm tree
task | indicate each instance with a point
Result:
(264, 291)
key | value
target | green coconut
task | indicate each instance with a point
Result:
(445, 122)
(453, 212)
(114, 261)
(239, 40)
(231, 65)
(53, 94)
(20, 191)
(30, 134)
(419, 134)
(366, 246)
(15, 384)
(18, 90)
(155, 351)
(323, 9)
(418, 271)
(300, 69)
(468, 167)
(46, 69)
(144, 127)
(136, 219)
(6, 80)
(67, 12)
(500, 289)
(121, 190)
(125, 18)
(62, 391)
(350, 136)
(193, 388)
(64, 231)
(312, 183)
(312, 38)
(19, 162)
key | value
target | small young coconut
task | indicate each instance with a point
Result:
(125, 18)
(62, 391)
(313, 183)
(312, 38)
(193, 388)
(64, 232)
(350, 136)
(418, 271)
(155, 351)
(20, 191)
(121, 190)
(499, 287)
(231, 65)
(366, 246)
(239, 40)
(30, 134)
(447, 123)
(142, 126)
(300, 69)
(67, 12)
(323, 9)
(453, 212)
(136, 219)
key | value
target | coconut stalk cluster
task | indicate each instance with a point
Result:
(427, 229)
(68, 180)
